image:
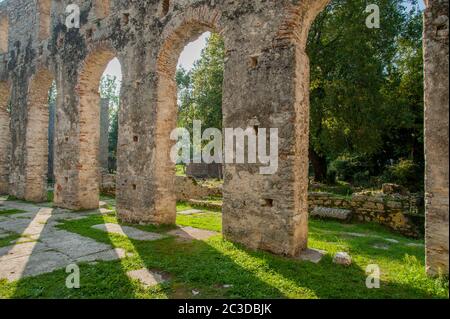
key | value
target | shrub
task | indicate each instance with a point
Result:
(405, 173)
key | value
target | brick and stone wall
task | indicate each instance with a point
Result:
(436, 32)
(265, 59)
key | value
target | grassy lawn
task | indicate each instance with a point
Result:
(221, 269)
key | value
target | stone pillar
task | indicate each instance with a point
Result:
(5, 138)
(436, 135)
(77, 140)
(268, 212)
(104, 135)
(145, 174)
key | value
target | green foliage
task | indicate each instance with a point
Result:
(200, 90)
(405, 173)
(366, 87)
(109, 89)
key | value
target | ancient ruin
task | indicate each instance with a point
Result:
(265, 58)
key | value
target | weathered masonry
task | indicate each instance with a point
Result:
(265, 59)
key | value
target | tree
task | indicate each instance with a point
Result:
(109, 89)
(348, 70)
(200, 90)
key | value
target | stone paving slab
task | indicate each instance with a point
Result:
(147, 277)
(107, 255)
(20, 250)
(130, 232)
(73, 245)
(191, 212)
(191, 233)
(32, 265)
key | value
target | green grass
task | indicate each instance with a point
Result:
(180, 170)
(7, 212)
(208, 220)
(208, 266)
(6, 241)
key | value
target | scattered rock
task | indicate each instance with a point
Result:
(342, 258)
(312, 255)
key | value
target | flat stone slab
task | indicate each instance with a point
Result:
(73, 245)
(130, 232)
(191, 212)
(331, 213)
(147, 277)
(191, 233)
(32, 265)
(107, 255)
(312, 255)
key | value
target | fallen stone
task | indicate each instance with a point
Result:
(147, 277)
(312, 255)
(342, 258)
(130, 232)
(191, 233)
(332, 213)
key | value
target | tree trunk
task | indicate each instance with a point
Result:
(319, 164)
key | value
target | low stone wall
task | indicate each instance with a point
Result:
(186, 188)
(398, 212)
(401, 213)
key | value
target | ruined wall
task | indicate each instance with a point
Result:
(436, 135)
(265, 59)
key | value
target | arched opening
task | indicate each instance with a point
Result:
(37, 136)
(166, 120)
(98, 97)
(4, 32)
(199, 79)
(44, 11)
(5, 137)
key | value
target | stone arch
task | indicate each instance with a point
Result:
(5, 137)
(299, 18)
(36, 143)
(44, 11)
(183, 30)
(4, 32)
(87, 90)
